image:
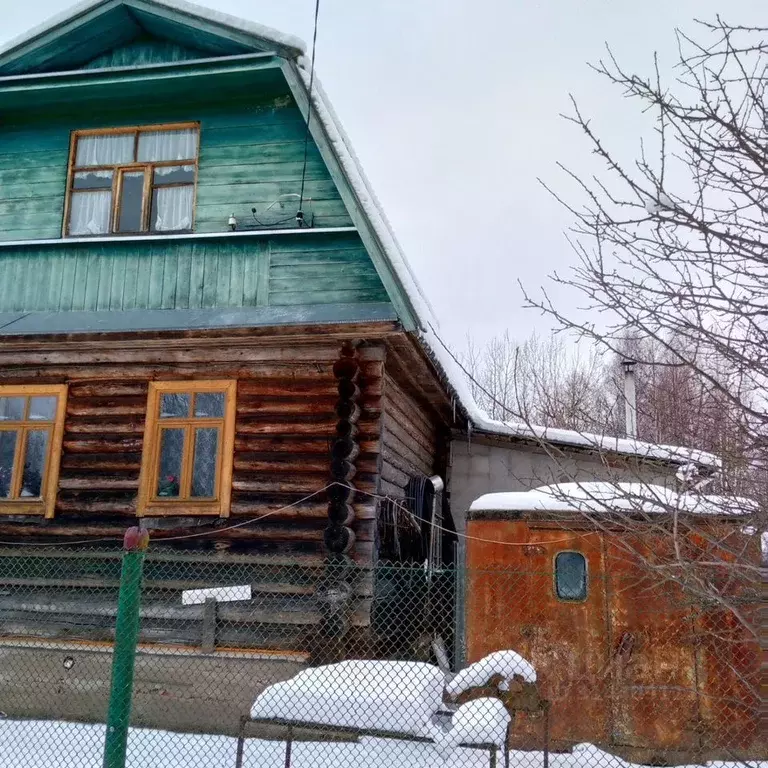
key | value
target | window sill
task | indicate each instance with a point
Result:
(254, 233)
(24, 508)
(182, 509)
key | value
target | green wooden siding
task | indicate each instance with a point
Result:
(314, 268)
(249, 156)
(143, 52)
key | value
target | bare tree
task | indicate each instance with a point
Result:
(539, 380)
(672, 260)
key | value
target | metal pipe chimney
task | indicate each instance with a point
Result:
(630, 398)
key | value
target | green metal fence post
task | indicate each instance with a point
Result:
(126, 639)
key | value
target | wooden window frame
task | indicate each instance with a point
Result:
(148, 502)
(569, 600)
(120, 169)
(46, 503)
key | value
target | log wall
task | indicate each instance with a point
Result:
(410, 442)
(286, 421)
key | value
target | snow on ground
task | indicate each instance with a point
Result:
(388, 695)
(505, 663)
(41, 744)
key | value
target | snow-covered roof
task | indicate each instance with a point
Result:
(605, 497)
(293, 44)
(482, 422)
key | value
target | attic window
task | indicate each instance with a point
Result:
(132, 180)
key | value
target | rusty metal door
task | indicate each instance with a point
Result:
(565, 639)
(654, 683)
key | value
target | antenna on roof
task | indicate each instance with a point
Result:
(300, 221)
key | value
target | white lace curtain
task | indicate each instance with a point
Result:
(89, 213)
(155, 146)
(109, 149)
(118, 148)
(173, 206)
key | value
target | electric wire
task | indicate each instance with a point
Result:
(309, 106)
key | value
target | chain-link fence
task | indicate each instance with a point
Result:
(247, 661)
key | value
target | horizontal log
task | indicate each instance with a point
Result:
(285, 387)
(306, 483)
(281, 335)
(280, 444)
(409, 461)
(427, 441)
(425, 454)
(85, 511)
(91, 409)
(407, 405)
(372, 352)
(316, 510)
(98, 483)
(170, 372)
(85, 445)
(396, 453)
(246, 462)
(120, 462)
(108, 389)
(319, 511)
(77, 427)
(392, 474)
(285, 406)
(320, 353)
(389, 489)
(324, 428)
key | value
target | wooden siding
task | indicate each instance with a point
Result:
(250, 154)
(285, 421)
(95, 32)
(409, 442)
(142, 52)
(178, 274)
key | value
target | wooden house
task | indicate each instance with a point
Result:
(204, 320)
(207, 326)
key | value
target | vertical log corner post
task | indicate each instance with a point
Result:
(335, 591)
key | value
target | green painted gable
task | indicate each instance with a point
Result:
(96, 29)
(250, 155)
(145, 51)
(113, 63)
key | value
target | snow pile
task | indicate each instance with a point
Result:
(504, 663)
(482, 721)
(386, 695)
(601, 497)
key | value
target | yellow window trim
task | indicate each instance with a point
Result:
(148, 503)
(46, 504)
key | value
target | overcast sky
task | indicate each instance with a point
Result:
(453, 107)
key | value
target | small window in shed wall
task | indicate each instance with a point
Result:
(571, 576)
